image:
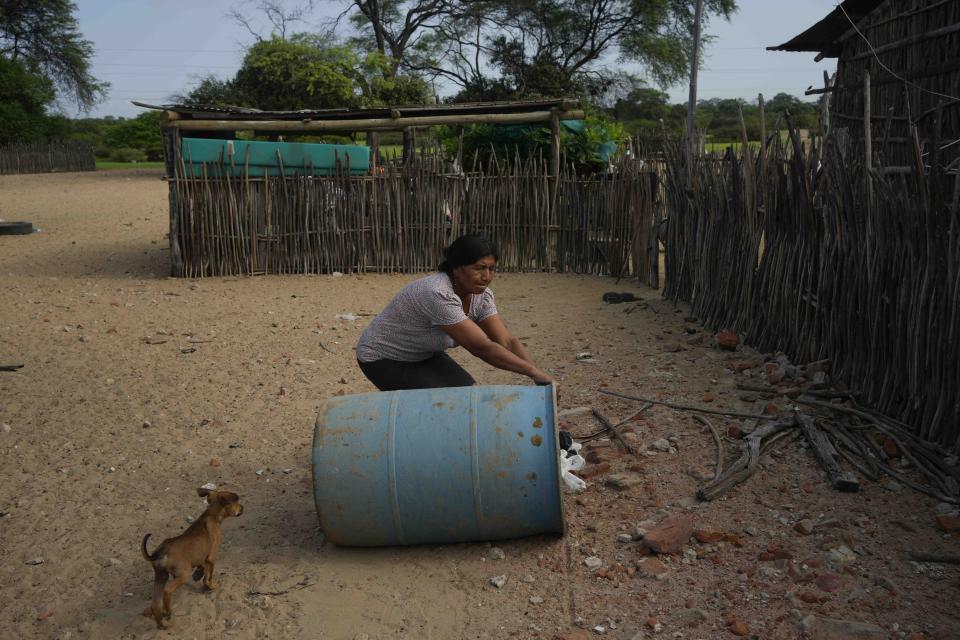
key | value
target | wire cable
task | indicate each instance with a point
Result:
(885, 67)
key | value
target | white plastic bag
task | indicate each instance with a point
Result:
(572, 461)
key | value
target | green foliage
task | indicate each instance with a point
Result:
(308, 71)
(558, 47)
(641, 112)
(141, 133)
(584, 148)
(211, 90)
(24, 96)
(381, 86)
(43, 35)
(127, 154)
(304, 72)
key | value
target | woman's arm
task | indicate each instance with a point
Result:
(475, 340)
(497, 331)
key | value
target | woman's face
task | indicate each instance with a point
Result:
(476, 277)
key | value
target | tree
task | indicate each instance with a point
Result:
(309, 71)
(43, 36)
(142, 132)
(394, 27)
(643, 108)
(24, 96)
(559, 47)
(302, 72)
(210, 90)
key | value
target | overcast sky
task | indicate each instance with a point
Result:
(150, 49)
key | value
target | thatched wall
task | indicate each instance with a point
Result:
(399, 220)
(828, 261)
(914, 66)
(44, 157)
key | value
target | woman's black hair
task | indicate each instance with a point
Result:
(465, 250)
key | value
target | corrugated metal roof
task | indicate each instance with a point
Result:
(225, 112)
(825, 35)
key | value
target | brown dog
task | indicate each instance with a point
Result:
(196, 548)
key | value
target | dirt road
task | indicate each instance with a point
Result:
(138, 388)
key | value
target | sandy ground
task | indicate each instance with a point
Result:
(106, 436)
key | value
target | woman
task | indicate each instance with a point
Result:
(403, 348)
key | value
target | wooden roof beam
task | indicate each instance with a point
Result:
(370, 124)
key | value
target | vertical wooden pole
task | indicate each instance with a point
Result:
(867, 140)
(373, 141)
(692, 100)
(825, 108)
(171, 148)
(554, 179)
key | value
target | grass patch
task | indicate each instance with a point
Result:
(721, 147)
(107, 164)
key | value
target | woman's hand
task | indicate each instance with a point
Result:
(541, 378)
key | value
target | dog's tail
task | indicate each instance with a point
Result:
(143, 549)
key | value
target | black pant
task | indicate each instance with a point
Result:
(436, 371)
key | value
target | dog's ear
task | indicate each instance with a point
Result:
(228, 497)
(203, 492)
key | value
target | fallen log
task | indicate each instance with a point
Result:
(827, 455)
(746, 464)
(612, 427)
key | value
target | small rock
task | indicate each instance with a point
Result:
(4, 427)
(739, 627)
(624, 537)
(709, 397)
(209, 486)
(819, 627)
(496, 553)
(805, 527)
(215, 462)
(693, 616)
(529, 579)
(727, 340)
(828, 582)
(575, 411)
(498, 581)
(661, 444)
(886, 583)
(535, 600)
(949, 524)
(593, 562)
(652, 568)
(775, 374)
(945, 509)
(624, 480)
(707, 536)
(670, 535)
(146, 424)
(600, 629)
(34, 561)
(840, 557)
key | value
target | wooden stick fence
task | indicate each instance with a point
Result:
(44, 157)
(400, 218)
(800, 258)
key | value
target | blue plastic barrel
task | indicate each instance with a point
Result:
(438, 465)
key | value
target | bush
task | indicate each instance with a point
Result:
(127, 155)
